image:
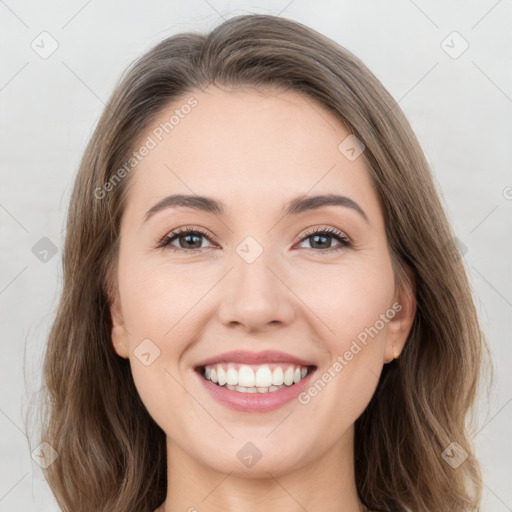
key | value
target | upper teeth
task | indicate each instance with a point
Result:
(259, 377)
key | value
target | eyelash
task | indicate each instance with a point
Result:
(340, 237)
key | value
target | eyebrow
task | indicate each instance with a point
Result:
(295, 206)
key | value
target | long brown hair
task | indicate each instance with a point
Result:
(111, 454)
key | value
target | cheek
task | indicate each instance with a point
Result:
(158, 298)
(356, 305)
(348, 298)
(155, 306)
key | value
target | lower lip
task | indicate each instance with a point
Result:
(255, 402)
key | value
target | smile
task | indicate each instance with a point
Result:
(254, 389)
(244, 378)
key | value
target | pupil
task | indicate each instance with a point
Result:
(318, 241)
(188, 238)
(316, 237)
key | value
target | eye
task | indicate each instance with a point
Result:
(189, 239)
(321, 239)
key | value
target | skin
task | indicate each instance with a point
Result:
(255, 152)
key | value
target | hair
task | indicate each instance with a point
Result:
(111, 453)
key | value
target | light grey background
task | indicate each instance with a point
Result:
(460, 108)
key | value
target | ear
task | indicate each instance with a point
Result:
(400, 325)
(119, 333)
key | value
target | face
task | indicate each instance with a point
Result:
(292, 299)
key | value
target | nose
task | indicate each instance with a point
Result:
(255, 296)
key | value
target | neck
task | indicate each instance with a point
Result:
(321, 485)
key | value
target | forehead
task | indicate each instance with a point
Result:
(248, 148)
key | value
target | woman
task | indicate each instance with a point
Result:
(263, 304)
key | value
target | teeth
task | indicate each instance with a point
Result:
(231, 377)
(263, 377)
(288, 376)
(221, 376)
(241, 389)
(244, 389)
(278, 376)
(259, 379)
(246, 377)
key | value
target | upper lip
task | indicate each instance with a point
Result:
(244, 356)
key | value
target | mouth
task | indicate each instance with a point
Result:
(254, 382)
(255, 378)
